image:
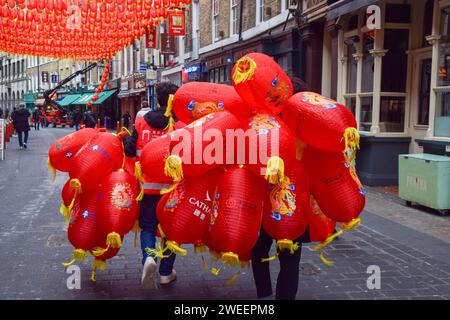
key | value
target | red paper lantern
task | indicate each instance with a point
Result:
(96, 159)
(118, 207)
(236, 217)
(321, 122)
(201, 145)
(334, 184)
(153, 157)
(320, 226)
(69, 195)
(261, 83)
(270, 147)
(83, 227)
(184, 213)
(63, 150)
(285, 215)
(197, 99)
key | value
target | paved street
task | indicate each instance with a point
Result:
(411, 246)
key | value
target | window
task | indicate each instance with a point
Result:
(234, 16)
(442, 112)
(427, 22)
(424, 92)
(353, 22)
(398, 13)
(351, 69)
(396, 42)
(215, 12)
(260, 10)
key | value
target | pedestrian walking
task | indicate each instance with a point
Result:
(89, 119)
(13, 120)
(288, 277)
(156, 123)
(36, 118)
(21, 125)
(1, 113)
(76, 118)
(126, 119)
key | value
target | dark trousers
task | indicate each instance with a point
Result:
(36, 125)
(287, 282)
(149, 223)
(25, 138)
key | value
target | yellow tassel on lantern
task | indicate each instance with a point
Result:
(231, 258)
(168, 114)
(97, 264)
(173, 168)
(76, 185)
(244, 71)
(175, 248)
(139, 176)
(78, 254)
(113, 240)
(275, 170)
(351, 138)
(64, 210)
(287, 244)
(52, 169)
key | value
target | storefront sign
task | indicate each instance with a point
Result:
(44, 76)
(177, 24)
(167, 44)
(151, 74)
(239, 54)
(124, 85)
(214, 63)
(150, 39)
(139, 81)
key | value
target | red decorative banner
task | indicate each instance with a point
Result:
(150, 39)
(177, 23)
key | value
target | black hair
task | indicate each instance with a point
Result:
(298, 84)
(163, 90)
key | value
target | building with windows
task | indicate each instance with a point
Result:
(13, 81)
(219, 32)
(393, 77)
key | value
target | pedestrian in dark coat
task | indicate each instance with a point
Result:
(36, 118)
(76, 118)
(126, 120)
(21, 124)
(89, 119)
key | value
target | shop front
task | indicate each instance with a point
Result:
(394, 79)
(125, 101)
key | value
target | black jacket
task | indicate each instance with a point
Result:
(20, 120)
(89, 120)
(76, 117)
(155, 119)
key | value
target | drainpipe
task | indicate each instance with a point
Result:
(241, 8)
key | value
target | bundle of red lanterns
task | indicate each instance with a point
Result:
(268, 171)
(99, 199)
(235, 168)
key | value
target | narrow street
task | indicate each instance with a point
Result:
(409, 245)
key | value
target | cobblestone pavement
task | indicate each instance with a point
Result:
(413, 257)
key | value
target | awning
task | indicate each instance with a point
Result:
(28, 98)
(123, 94)
(69, 99)
(342, 7)
(102, 96)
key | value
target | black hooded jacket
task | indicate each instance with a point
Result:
(155, 119)
(20, 120)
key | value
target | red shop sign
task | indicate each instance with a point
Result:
(150, 38)
(177, 23)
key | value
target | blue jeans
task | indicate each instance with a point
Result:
(149, 223)
(25, 140)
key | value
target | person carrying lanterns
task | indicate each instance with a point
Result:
(150, 125)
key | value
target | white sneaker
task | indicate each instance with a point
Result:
(168, 279)
(148, 280)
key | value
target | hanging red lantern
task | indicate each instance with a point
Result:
(271, 148)
(236, 216)
(196, 99)
(184, 213)
(320, 226)
(153, 157)
(334, 184)
(100, 254)
(96, 159)
(261, 83)
(83, 226)
(118, 207)
(285, 215)
(321, 122)
(64, 149)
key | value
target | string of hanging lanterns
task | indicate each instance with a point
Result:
(78, 29)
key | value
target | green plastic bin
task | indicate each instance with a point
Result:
(425, 179)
